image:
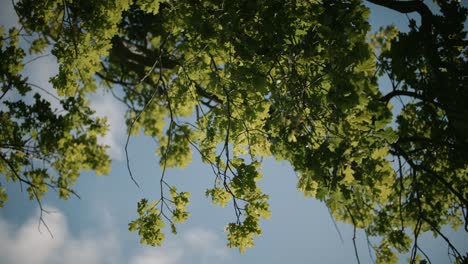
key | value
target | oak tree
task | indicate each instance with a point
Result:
(238, 81)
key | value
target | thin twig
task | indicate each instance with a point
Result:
(336, 226)
(153, 95)
(354, 234)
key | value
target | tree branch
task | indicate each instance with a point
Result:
(448, 185)
(386, 98)
(406, 7)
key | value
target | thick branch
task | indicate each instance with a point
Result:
(107, 78)
(386, 98)
(202, 92)
(136, 58)
(409, 7)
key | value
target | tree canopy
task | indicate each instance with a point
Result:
(238, 81)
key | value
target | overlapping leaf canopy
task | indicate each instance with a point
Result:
(238, 81)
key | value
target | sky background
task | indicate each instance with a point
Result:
(93, 229)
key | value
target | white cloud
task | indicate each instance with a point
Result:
(100, 245)
(26, 245)
(157, 256)
(205, 241)
(17, 247)
(196, 245)
(107, 106)
(39, 73)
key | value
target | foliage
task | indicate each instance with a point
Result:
(238, 81)
(42, 147)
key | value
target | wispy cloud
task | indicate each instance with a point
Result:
(27, 245)
(148, 256)
(206, 242)
(101, 245)
(39, 71)
(107, 106)
(196, 245)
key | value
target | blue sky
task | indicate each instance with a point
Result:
(94, 229)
